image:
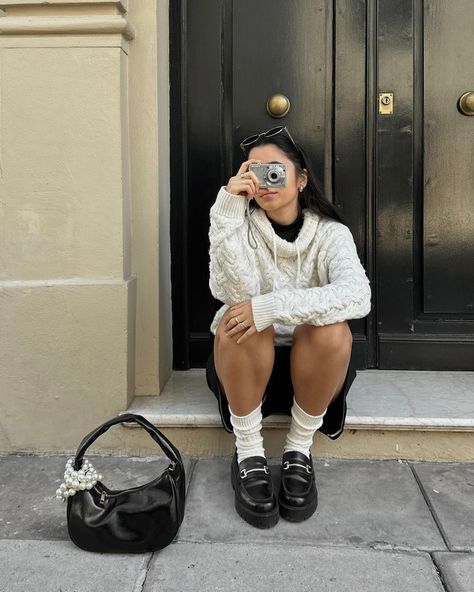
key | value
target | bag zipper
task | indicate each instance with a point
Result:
(104, 494)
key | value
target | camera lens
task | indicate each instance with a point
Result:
(275, 174)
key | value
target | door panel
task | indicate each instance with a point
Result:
(423, 253)
(294, 66)
(448, 176)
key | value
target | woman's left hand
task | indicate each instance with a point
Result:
(240, 320)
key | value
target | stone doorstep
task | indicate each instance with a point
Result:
(378, 400)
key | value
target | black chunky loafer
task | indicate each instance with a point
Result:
(298, 495)
(255, 498)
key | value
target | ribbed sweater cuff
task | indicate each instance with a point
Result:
(230, 205)
(263, 309)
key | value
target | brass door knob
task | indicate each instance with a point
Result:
(278, 105)
(466, 103)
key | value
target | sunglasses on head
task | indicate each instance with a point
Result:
(271, 132)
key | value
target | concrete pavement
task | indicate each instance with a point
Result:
(381, 525)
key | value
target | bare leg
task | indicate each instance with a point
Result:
(245, 369)
(320, 358)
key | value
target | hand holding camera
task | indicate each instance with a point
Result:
(245, 183)
(254, 175)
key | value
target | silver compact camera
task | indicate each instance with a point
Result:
(270, 175)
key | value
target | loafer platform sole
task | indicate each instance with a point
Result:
(297, 514)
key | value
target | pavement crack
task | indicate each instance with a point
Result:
(439, 573)
(424, 493)
(142, 576)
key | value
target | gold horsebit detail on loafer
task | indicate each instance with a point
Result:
(243, 472)
(287, 465)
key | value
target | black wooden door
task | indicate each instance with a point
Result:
(424, 190)
(403, 180)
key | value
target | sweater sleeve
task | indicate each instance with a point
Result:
(346, 296)
(232, 272)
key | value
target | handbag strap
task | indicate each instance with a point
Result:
(168, 447)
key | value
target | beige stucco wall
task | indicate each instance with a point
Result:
(85, 305)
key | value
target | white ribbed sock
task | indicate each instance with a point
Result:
(248, 438)
(302, 429)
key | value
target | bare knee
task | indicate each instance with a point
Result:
(247, 363)
(334, 337)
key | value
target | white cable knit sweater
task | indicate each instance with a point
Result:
(318, 279)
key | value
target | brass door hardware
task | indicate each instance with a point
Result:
(278, 105)
(466, 103)
(386, 103)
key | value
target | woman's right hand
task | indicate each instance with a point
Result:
(245, 182)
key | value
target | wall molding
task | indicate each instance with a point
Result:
(67, 25)
(120, 4)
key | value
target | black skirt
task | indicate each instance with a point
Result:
(278, 396)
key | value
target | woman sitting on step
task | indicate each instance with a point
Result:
(286, 269)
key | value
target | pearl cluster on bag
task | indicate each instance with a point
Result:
(85, 478)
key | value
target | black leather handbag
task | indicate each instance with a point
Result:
(136, 520)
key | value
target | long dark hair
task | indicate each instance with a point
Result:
(312, 197)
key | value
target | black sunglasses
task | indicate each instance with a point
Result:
(271, 132)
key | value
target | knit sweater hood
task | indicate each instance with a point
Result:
(281, 247)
